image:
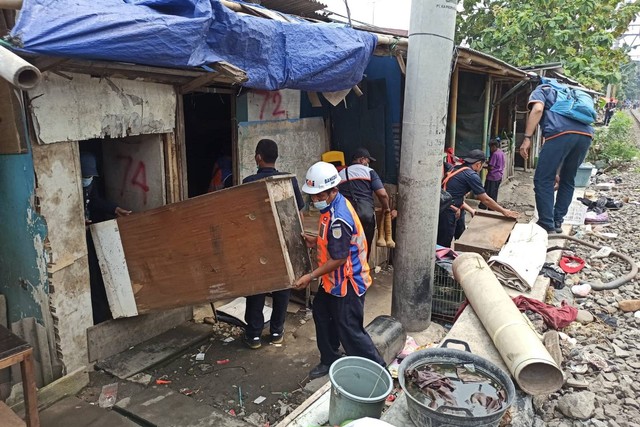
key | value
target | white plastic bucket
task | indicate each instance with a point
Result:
(359, 388)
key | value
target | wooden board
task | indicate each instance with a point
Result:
(166, 407)
(220, 245)
(486, 233)
(113, 336)
(12, 140)
(153, 351)
(9, 418)
(74, 412)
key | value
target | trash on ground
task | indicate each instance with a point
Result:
(141, 378)
(609, 320)
(603, 252)
(187, 391)
(108, 395)
(581, 290)
(222, 362)
(259, 400)
(228, 340)
(200, 357)
(162, 382)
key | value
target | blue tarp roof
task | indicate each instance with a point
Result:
(196, 33)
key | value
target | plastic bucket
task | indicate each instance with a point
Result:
(359, 388)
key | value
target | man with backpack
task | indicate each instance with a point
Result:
(565, 116)
(609, 110)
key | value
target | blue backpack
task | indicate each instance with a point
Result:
(572, 103)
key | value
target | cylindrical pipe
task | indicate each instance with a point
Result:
(17, 71)
(424, 125)
(525, 356)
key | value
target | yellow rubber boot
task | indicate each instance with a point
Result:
(381, 241)
(387, 230)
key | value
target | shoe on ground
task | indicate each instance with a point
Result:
(277, 338)
(319, 371)
(252, 342)
(558, 227)
(549, 231)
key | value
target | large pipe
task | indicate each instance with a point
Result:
(17, 71)
(525, 356)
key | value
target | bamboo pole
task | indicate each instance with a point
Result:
(17, 71)
(453, 108)
(522, 351)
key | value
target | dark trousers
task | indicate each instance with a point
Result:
(369, 230)
(253, 313)
(339, 320)
(491, 187)
(461, 225)
(446, 227)
(566, 152)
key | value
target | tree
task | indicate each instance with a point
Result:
(581, 34)
(629, 87)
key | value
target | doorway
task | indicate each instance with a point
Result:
(209, 136)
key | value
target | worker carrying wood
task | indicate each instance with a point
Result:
(359, 184)
(338, 307)
(265, 157)
(459, 181)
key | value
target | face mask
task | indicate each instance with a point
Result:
(321, 204)
(87, 181)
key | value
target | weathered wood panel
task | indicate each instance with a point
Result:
(86, 107)
(113, 336)
(135, 177)
(486, 234)
(220, 245)
(265, 105)
(300, 144)
(12, 138)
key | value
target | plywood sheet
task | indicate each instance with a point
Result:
(486, 233)
(220, 245)
(75, 412)
(12, 138)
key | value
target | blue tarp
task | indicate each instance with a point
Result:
(195, 33)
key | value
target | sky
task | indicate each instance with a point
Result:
(381, 13)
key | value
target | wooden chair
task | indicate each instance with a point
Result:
(14, 349)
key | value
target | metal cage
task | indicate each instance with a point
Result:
(447, 296)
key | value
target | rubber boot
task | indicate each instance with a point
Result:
(381, 241)
(387, 230)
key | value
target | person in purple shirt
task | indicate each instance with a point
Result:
(496, 171)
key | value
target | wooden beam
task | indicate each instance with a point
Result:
(238, 75)
(198, 82)
(453, 108)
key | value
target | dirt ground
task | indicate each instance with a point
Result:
(232, 376)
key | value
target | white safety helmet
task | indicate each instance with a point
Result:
(321, 177)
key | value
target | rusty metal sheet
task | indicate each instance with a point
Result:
(486, 233)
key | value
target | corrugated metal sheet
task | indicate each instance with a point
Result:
(294, 7)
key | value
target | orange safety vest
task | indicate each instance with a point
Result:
(356, 270)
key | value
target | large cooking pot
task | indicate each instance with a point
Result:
(423, 416)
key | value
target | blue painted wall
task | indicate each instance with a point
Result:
(20, 278)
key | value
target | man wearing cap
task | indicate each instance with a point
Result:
(458, 182)
(495, 166)
(359, 183)
(338, 307)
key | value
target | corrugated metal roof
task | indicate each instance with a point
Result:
(294, 7)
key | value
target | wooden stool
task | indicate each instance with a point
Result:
(14, 349)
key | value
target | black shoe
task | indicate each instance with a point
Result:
(319, 371)
(558, 227)
(277, 338)
(253, 343)
(553, 230)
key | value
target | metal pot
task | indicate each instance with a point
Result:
(423, 416)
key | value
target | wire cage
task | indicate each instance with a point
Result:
(447, 296)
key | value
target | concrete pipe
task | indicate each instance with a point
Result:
(17, 71)
(525, 356)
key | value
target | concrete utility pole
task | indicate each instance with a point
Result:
(424, 124)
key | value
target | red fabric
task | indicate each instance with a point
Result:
(555, 317)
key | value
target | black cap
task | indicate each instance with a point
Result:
(362, 152)
(475, 156)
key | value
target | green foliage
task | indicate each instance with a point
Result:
(629, 87)
(579, 33)
(615, 143)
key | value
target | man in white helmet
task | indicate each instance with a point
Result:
(338, 307)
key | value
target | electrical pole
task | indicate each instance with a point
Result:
(424, 124)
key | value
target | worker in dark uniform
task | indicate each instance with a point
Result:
(265, 157)
(338, 307)
(458, 182)
(96, 209)
(359, 184)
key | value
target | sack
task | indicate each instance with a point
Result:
(446, 200)
(572, 103)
